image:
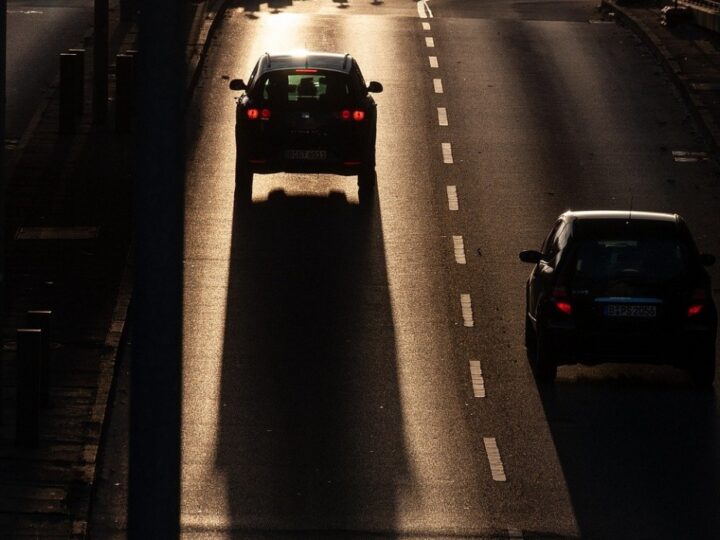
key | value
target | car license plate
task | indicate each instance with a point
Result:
(313, 155)
(624, 310)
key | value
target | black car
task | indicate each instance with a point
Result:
(308, 112)
(620, 286)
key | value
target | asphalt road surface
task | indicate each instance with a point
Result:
(362, 374)
(37, 32)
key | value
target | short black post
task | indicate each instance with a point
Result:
(42, 318)
(79, 80)
(29, 350)
(124, 92)
(68, 87)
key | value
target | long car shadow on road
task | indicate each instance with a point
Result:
(640, 455)
(311, 429)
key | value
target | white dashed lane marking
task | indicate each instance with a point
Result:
(459, 249)
(452, 196)
(447, 152)
(429, 42)
(682, 156)
(467, 313)
(433, 61)
(496, 465)
(442, 116)
(478, 382)
(515, 533)
(426, 26)
(437, 84)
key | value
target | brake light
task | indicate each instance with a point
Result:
(306, 70)
(561, 301)
(357, 115)
(254, 114)
(697, 301)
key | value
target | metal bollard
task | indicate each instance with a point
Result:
(79, 80)
(68, 87)
(41, 318)
(124, 92)
(27, 421)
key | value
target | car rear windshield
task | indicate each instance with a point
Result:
(304, 86)
(641, 252)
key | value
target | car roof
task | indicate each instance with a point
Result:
(583, 215)
(305, 59)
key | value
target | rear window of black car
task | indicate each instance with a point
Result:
(304, 86)
(617, 251)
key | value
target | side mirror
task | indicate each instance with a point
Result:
(530, 256)
(375, 87)
(237, 84)
(706, 259)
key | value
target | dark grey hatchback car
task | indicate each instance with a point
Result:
(620, 286)
(309, 112)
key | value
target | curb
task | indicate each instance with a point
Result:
(701, 115)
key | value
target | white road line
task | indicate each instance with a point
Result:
(429, 42)
(467, 313)
(423, 9)
(682, 156)
(452, 196)
(442, 116)
(433, 61)
(426, 26)
(437, 84)
(478, 383)
(515, 533)
(447, 152)
(496, 465)
(459, 249)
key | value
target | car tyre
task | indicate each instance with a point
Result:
(243, 183)
(367, 181)
(545, 366)
(702, 369)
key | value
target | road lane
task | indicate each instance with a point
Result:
(572, 115)
(36, 34)
(327, 382)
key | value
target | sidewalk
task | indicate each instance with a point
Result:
(688, 53)
(68, 240)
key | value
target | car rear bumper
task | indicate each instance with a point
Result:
(678, 348)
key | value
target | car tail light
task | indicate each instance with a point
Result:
(697, 302)
(254, 114)
(560, 300)
(357, 115)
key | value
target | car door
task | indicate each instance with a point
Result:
(542, 275)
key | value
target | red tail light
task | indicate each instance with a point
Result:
(697, 301)
(254, 114)
(357, 115)
(561, 301)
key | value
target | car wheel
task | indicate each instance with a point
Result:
(243, 183)
(367, 180)
(545, 366)
(702, 368)
(529, 333)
